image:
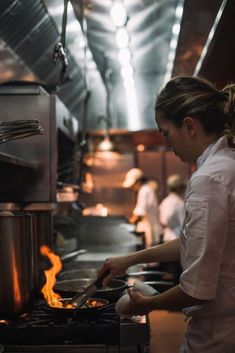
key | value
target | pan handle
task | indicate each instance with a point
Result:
(99, 282)
(72, 255)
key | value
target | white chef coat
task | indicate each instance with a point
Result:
(208, 251)
(167, 208)
(147, 207)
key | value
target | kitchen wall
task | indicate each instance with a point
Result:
(108, 171)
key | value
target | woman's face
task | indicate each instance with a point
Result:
(177, 138)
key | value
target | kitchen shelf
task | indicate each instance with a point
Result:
(7, 159)
(14, 173)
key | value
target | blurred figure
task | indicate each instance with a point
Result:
(153, 182)
(145, 214)
(171, 208)
(171, 217)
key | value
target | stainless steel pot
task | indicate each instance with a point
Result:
(42, 235)
(16, 263)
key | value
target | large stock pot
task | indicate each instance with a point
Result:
(16, 263)
(42, 233)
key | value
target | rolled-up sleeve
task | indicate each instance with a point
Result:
(206, 224)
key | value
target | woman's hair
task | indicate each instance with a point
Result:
(196, 97)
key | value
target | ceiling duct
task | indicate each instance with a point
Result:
(30, 30)
(144, 34)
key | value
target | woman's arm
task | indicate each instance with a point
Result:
(160, 253)
(172, 299)
(169, 251)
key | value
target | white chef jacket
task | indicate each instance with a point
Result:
(167, 208)
(147, 207)
(208, 250)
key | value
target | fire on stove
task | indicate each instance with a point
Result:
(42, 329)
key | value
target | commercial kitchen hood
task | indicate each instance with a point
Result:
(29, 31)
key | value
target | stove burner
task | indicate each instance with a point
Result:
(44, 331)
(44, 327)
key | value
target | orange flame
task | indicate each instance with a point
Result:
(16, 280)
(51, 297)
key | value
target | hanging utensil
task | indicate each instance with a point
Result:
(60, 52)
(13, 130)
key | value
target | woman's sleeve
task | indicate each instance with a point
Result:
(206, 224)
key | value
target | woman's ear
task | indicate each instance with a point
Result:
(190, 125)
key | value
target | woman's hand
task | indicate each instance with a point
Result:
(139, 304)
(115, 266)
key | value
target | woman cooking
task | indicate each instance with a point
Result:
(197, 121)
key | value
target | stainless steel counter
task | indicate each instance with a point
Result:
(103, 237)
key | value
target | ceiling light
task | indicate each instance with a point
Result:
(129, 83)
(140, 147)
(118, 14)
(105, 145)
(122, 38)
(127, 71)
(124, 56)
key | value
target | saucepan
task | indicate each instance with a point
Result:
(93, 306)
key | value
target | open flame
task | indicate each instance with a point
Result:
(52, 298)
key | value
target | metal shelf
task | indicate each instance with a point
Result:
(15, 173)
(13, 161)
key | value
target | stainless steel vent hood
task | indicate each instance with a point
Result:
(29, 31)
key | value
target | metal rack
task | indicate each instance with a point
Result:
(29, 166)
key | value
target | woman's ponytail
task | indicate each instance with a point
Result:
(229, 109)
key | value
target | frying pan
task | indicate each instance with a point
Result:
(70, 287)
(87, 309)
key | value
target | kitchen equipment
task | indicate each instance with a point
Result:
(72, 255)
(44, 330)
(144, 275)
(17, 129)
(91, 273)
(16, 263)
(42, 235)
(35, 159)
(69, 288)
(91, 306)
(80, 298)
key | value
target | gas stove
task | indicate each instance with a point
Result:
(102, 332)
